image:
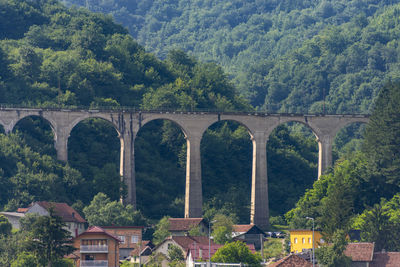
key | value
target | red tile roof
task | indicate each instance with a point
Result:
(242, 228)
(291, 261)
(186, 241)
(195, 249)
(183, 224)
(99, 230)
(63, 210)
(386, 259)
(360, 251)
(22, 210)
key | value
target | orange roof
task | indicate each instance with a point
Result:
(291, 261)
(98, 230)
(186, 241)
(386, 259)
(67, 213)
(22, 210)
(183, 224)
(242, 228)
(360, 251)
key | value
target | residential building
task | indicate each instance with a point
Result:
(302, 239)
(386, 259)
(75, 224)
(181, 226)
(96, 248)
(361, 254)
(248, 233)
(130, 237)
(145, 249)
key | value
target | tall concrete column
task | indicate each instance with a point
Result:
(61, 144)
(259, 211)
(127, 167)
(325, 153)
(193, 192)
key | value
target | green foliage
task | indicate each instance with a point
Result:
(104, 212)
(332, 255)
(236, 252)
(25, 259)
(162, 230)
(48, 240)
(222, 227)
(5, 226)
(175, 254)
(273, 248)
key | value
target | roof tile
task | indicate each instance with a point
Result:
(360, 251)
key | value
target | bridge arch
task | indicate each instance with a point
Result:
(52, 123)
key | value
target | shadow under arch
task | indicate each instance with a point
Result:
(348, 140)
(160, 168)
(292, 160)
(226, 161)
(2, 130)
(94, 149)
(38, 132)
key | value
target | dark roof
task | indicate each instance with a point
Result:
(386, 259)
(360, 251)
(98, 230)
(122, 227)
(291, 261)
(183, 224)
(242, 228)
(146, 248)
(63, 210)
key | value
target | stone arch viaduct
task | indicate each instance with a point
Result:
(193, 124)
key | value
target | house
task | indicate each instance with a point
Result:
(181, 226)
(291, 260)
(182, 242)
(130, 236)
(248, 233)
(361, 254)
(386, 259)
(145, 249)
(96, 248)
(75, 224)
(302, 239)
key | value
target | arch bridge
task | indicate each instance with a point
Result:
(193, 125)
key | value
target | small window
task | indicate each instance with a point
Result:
(135, 239)
(295, 240)
(122, 238)
(304, 240)
(309, 240)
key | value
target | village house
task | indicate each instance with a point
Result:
(291, 260)
(130, 237)
(302, 239)
(248, 233)
(75, 224)
(96, 248)
(181, 226)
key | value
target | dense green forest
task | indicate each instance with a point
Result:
(285, 56)
(53, 56)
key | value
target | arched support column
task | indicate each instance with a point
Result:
(325, 153)
(127, 167)
(193, 191)
(61, 144)
(259, 211)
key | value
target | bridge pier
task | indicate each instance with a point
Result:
(259, 211)
(193, 191)
(127, 167)
(324, 153)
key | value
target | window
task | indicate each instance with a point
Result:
(122, 238)
(295, 240)
(135, 239)
(309, 240)
(304, 240)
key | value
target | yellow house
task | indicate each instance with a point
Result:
(302, 239)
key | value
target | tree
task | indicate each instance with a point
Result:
(236, 252)
(5, 226)
(25, 259)
(48, 240)
(175, 256)
(162, 230)
(331, 255)
(102, 211)
(222, 229)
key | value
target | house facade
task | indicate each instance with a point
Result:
(302, 239)
(130, 236)
(96, 248)
(248, 233)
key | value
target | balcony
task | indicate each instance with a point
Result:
(94, 263)
(94, 249)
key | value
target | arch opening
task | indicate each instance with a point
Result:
(38, 134)
(2, 130)
(226, 161)
(348, 140)
(94, 150)
(160, 169)
(292, 166)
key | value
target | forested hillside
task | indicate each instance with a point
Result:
(52, 56)
(282, 55)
